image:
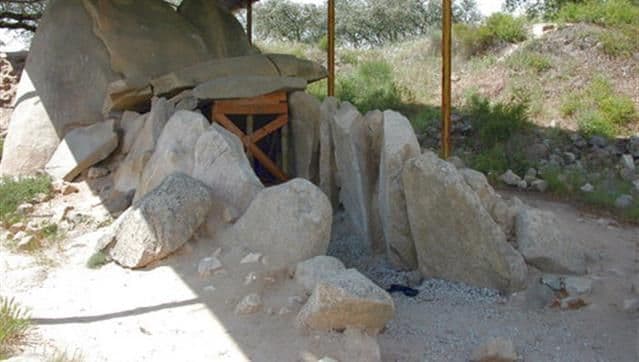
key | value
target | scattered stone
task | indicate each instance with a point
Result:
(587, 188)
(250, 278)
(24, 209)
(624, 201)
(82, 148)
(570, 157)
(68, 189)
(578, 285)
(543, 244)
(17, 227)
(633, 146)
(161, 222)
(540, 185)
(523, 184)
(598, 141)
(97, 172)
(628, 162)
(347, 299)
(309, 272)
(510, 178)
(497, 349)
(438, 198)
(209, 265)
(250, 304)
(251, 258)
(399, 145)
(290, 222)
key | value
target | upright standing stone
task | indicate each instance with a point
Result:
(399, 145)
(304, 114)
(455, 236)
(327, 169)
(353, 159)
(174, 150)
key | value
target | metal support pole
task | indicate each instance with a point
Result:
(331, 47)
(249, 21)
(446, 72)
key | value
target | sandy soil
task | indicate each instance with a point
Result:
(170, 313)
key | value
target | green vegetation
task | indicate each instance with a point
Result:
(97, 260)
(619, 43)
(598, 109)
(499, 28)
(528, 60)
(13, 192)
(601, 12)
(370, 86)
(14, 322)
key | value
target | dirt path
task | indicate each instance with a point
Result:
(170, 313)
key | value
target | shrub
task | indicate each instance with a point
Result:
(370, 86)
(97, 260)
(14, 322)
(495, 123)
(426, 118)
(602, 12)
(525, 60)
(598, 109)
(618, 43)
(13, 192)
(499, 28)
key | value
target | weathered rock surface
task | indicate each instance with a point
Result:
(247, 86)
(347, 299)
(220, 162)
(127, 176)
(174, 150)
(82, 148)
(327, 168)
(310, 272)
(304, 114)
(145, 38)
(222, 33)
(131, 124)
(455, 236)
(543, 244)
(357, 173)
(161, 222)
(399, 145)
(57, 91)
(287, 223)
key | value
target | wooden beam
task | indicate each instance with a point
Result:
(331, 47)
(446, 75)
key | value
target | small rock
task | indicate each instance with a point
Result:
(68, 189)
(495, 349)
(250, 278)
(97, 172)
(570, 157)
(523, 184)
(26, 242)
(510, 178)
(598, 141)
(578, 285)
(628, 162)
(24, 209)
(540, 185)
(251, 258)
(250, 304)
(209, 265)
(41, 197)
(623, 201)
(17, 227)
(587, 188)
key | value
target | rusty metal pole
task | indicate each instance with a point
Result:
(331, 47)
(249, 21)
(446, 75)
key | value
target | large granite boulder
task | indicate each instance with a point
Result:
(145, 38)
(327, 168)
(82, 148)
(357, 172)
(543, 244)
(174, 151)
(222, 33)
(287, 223)
(247, 86)
(398, 146)
(62, 87)
(455, 236)
(220, 162)
(347, 300)
(304, 115)
(312, 271)
(127, 176)
(161, 222)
